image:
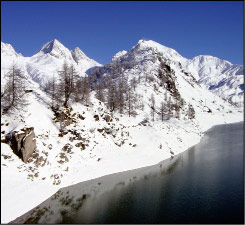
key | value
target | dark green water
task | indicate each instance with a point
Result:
(202, 185)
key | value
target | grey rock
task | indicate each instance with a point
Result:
(23, 143)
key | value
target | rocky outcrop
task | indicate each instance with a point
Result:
(107, 118)
(23, 143)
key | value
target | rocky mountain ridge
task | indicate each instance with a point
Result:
(145, 106)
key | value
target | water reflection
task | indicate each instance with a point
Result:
(191, 187)
(78, 199)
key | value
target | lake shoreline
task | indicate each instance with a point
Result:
(104, 186)
(125, 161)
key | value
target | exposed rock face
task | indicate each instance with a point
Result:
(23, 143)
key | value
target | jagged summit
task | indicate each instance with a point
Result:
(52, 45)
(56, 49)
(119, 54)
(6, 46)
(50, 59)
(78, 54)
(217, 75)
(8, 50)
(77, 49)
(167, 52)
(152, 44)
(134, 112)
(208, 58)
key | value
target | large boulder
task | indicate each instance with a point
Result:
(23, 143)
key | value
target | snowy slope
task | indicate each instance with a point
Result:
(48, 61)
(8, 57)
(118, 55)
(219, 76)
(93, 146)
(122, 145)
(145, 59)
(84, 63)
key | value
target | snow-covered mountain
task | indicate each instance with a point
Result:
(8, 57)
(56, 49)
(8, 50)
(147, 61)
(219, 76)
(96, 139)
(118, 55)
(84, 63)
(47, 62)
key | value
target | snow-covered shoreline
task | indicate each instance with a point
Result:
(84, 141)
(34, 192)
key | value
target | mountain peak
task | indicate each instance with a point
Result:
(143, 42)
(52, 45)
(119, 54)
(207, 59)
(78, 55)
(56, 49)
(8, 49)
(167, 52)
(153, 44)
(78, 51)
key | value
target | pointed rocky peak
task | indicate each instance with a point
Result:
(147, 45)
(56, 49)
(119, 55)
(207, 59)
(80, 58)
(151, 44)
(78, 55)
(8, 49)
(53, 45)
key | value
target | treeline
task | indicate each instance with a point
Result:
(117, 90)
(109, 85)
(67, 87)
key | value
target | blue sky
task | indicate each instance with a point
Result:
(101, 29)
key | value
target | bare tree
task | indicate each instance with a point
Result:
(166, 96)
(146, 77)
(139, 78)
(191, 112)
(169, 108)
(66, 82)
(85, 91)
(14, 90)
(121, 99)
(153, 103)
(72, 78)
(111, 95)
(100, 92)
(178, 113)
(134, 83)
(53, 87)
(78, 91)
(130, 100)
(162, 109)
(177, 108)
